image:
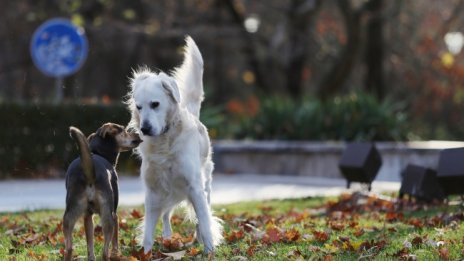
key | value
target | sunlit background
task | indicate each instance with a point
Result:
(276, 69)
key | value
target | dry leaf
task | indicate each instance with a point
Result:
(175, 255)
(321, 236)
(136, 214)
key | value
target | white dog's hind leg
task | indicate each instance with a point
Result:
(209, 228)
(152, 214)
(209, 179)
(167, 230)
(198, 199)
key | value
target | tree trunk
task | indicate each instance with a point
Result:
(374, 82)
(299, 23)
(219, 89)
(250, 48)
(337, 75)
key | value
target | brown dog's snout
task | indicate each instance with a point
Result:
(136, 140)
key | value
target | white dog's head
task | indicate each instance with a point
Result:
(154, 99)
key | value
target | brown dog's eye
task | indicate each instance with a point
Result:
(154, 105)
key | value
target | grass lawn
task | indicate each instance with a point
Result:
(350, 227)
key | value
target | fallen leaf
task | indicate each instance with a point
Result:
(292, 235)
(271, 253)
(358, 232)
(136, 214)
(272, 235)
(417, 223)
(314, 249)
(356, 245)
(176, 220)
(403, 252)
(321, 236)
(123, 224)
(294, 253)
(193, 251)
(175, 255)
(353, 224)
(444, 253)
(336, 226)
(235, 235)
(393, 216)
(265, 209)
(330, 248)
(417, 240)
(122, 258)
(392, 230)
(251, 250)
(140, 254)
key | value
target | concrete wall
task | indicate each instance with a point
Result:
(319, 159)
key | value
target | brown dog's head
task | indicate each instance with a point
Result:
(125, 141)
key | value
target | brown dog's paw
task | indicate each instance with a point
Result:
(111, 129)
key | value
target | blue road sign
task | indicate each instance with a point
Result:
(59, 48)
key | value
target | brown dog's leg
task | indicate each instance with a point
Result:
(69, 220)
(108, 230)
(115, 247)
(88, 225)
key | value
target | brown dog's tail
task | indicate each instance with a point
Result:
(86, 157)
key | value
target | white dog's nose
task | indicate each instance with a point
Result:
(146, 129)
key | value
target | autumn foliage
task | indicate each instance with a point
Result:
(350, 227)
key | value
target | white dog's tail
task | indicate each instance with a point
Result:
(189, 77)
(216, 223)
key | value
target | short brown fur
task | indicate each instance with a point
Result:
(90, 190)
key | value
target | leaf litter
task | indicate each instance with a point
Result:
(358, 225)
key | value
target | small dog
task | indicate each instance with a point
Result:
(176, 153)
(92, 185)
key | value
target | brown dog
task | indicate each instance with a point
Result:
(92, 185)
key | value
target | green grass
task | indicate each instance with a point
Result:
(302, 229)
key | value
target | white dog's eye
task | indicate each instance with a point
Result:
(138, 107)
(154, 104)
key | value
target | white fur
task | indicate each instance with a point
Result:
(176, 150)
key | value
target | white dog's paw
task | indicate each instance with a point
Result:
(147, 246)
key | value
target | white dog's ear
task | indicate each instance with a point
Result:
(171, 87)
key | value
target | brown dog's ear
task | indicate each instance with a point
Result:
(109, 129)
(91, 137)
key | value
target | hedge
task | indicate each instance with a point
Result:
(353, 117)
(35, 139)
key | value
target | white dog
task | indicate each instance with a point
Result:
(176, 150)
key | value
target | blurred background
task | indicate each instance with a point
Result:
(337, 70)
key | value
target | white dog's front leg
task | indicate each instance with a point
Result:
(152, 214)
(200, 204)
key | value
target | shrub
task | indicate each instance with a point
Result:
(354, 117)
(35, 138)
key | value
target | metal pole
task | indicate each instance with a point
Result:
(58, 90)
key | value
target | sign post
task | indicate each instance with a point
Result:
(59, 49)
